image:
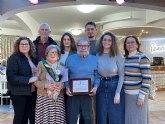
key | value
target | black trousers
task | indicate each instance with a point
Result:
(32, 110)
(80, 104)
(22, 105)
(81, 120)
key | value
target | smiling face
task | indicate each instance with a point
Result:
(107, 42)
(131, 44)
(24, 47)
(66, 41)
(52, 56)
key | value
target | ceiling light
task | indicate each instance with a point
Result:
(120, 1)
(76, 31)
(33, 1)
(86, 8)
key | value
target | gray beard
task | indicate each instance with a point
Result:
(79, 53)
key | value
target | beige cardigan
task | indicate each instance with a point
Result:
(40, 84)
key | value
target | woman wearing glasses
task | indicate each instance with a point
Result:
(21, 67)
(137, 82)
(50, 107)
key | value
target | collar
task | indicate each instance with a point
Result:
(132, 53)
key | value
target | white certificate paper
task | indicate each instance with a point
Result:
(80, 86)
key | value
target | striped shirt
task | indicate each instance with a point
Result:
(137, 78)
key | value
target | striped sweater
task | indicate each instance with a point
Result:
(137, 75)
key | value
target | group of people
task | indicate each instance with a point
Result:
(39, 73)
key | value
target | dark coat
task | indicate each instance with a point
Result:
(51, 42)
(18, 74)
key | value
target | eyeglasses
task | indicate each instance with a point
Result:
(133, 42)
(24, 44)
(54, 53)
(83, 46)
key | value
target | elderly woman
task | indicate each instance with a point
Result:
(20, 70)
(137, 82)
(110, 96)
(50, 106)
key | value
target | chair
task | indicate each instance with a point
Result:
(3, 91)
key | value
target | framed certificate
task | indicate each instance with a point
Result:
(80, 86)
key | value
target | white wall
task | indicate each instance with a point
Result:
(154, 47)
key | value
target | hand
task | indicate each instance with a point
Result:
(49, 86)
(68, 92)
(140, 102)
(117, 98)
(33, 79)
(57, 87)
(93, 91)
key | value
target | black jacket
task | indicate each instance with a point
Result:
(51, 41)
(18, 74)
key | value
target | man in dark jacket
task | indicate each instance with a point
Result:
(43, 40)
(41, 43)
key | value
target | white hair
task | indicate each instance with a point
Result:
(45, 25)
(84, 39)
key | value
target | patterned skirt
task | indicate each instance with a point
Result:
(49, 112)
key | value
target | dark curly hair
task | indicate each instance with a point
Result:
(32, 47)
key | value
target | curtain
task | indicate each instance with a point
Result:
(6, 45)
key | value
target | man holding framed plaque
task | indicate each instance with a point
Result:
(82, 85)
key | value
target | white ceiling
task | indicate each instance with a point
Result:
(64, 18)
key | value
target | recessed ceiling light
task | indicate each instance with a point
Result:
(76, 32)
(34, 1)
(86, 8)
(120, 1)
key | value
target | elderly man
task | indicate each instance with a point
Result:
(43, 40)
(82, 65)
(41, 43)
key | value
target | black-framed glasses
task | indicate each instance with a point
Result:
(132, 42)
(83, 46)
(24, 44)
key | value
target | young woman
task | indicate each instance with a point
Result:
(20, 71)
(137, 82)
(50, 107)
(67, 46)
(110, 96)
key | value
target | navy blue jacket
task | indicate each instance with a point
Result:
(18, 74)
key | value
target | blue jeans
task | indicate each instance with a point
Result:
(105, 106)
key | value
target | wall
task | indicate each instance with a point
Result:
(154, 47)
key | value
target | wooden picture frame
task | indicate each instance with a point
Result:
(80, 86)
